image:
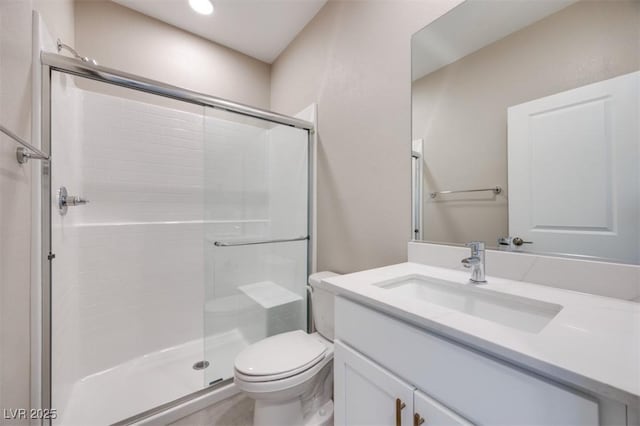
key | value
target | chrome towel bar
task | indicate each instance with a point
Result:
(251, 243)
(26, 151)
(496, 190)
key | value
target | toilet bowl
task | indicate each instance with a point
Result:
(290, 375)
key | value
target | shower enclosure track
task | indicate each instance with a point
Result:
(108, 75)
(56, 62)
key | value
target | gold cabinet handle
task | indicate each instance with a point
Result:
(417, 419)
(399, 406)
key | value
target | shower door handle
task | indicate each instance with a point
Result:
(65, 200)
(74, 200)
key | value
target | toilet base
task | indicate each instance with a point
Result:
(271, 413)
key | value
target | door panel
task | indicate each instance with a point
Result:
(432, 413)
(573, 178)
(367, 394)
(127, 278)
(255, 230)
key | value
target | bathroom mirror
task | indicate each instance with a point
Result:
(525, 129)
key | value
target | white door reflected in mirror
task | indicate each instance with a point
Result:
(573, 170)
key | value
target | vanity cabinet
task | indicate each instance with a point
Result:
(379, 359)
(367, 394)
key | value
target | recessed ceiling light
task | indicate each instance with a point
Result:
(203, 7)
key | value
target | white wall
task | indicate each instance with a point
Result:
(353, 59)
(16, 187)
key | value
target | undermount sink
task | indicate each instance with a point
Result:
(512, 311)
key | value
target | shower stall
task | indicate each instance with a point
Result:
(175, 233)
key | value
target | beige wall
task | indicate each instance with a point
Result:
(353, 59)
(16, 190)
(58, 16)
(15, 206)
(118, 37)
(460, 110)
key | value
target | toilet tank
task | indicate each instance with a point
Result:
(322, 305)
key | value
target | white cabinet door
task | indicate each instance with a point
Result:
(432, 413)
(573, 173)
(367, 394)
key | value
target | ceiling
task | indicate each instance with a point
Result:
(472, 26)
(258, 28)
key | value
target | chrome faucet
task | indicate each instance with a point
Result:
(475, 262)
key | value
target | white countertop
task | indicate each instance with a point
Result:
(593, 343)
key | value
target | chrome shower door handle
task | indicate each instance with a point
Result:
(65, 200)
(74, 200)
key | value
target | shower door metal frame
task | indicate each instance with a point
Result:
(54, 62)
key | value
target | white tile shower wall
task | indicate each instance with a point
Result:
(236, 202)
(140, 290)
(255, 186)
(236, 190)
(281, 264)
(142, 162)
(288, 177)
(615, 280)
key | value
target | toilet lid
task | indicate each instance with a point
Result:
(293, 352)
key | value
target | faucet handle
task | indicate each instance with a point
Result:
(470, 261)
(475, 246)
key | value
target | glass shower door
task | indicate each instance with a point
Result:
(126, 288)
(256, 234)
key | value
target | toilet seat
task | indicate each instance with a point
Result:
(269, 388)
(279, 357)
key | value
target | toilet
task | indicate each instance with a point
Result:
(290, 375)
